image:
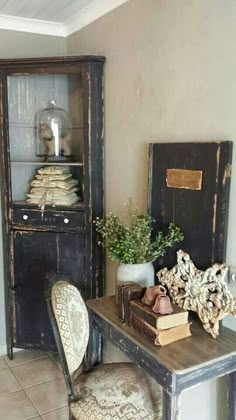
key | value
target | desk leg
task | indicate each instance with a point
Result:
(171, 406)
(232, 396)
(93, 355)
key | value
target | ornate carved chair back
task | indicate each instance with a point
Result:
(69, 319)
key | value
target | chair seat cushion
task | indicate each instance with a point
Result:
(117, 391)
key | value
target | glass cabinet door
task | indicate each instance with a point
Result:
(46, 129)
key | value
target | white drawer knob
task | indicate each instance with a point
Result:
(66, 221)
(25, 216)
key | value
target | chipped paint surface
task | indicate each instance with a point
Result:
(227, 173)
(58, 254)
(72, 248)
(215, 197)
(199, 358)
(12, 303)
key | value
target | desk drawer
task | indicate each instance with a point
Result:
(49, 219)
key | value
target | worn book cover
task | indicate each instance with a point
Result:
(127, 292)
(159, 337)
(120, 294)
(160, 322)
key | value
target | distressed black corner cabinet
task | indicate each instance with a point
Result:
(61, 239)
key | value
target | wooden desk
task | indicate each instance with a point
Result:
(177, 366)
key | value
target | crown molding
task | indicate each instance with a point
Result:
(87, 15)
(90, 13)
(13, 23)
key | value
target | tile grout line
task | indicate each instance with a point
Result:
(11, 369)
(22, 389)
(23, 363)
(55, 409)
(32, 403)
(17, 380)
(45, 382)
(10, 392)
(46, 412)
(54, 361)
(25, 389)
(38, 414)
(3, 368)
(39, 383)
(30, 386)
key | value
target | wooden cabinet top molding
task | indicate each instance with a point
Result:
(28, 62)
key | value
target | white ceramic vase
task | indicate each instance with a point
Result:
(142, 274)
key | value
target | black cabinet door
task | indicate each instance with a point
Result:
(35, 254)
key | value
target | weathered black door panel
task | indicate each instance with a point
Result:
(200, 208)
(62, 253)
(30, 268)
(71, 261)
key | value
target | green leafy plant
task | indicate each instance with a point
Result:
(130, 241)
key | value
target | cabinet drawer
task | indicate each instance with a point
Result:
(54, 220)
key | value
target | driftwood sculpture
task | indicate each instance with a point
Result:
(204, 292)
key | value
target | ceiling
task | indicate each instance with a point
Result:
(55, 17)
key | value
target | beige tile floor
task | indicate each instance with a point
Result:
(32, 387)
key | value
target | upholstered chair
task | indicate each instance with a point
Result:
(106, 392)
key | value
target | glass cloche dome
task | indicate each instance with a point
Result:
(53, 132)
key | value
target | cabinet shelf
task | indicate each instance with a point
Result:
(29, 125)
(38, 163)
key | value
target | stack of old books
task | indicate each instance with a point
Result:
(160, 329)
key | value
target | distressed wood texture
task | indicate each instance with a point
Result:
(93, 170)
(50, 219)
(232, 396)
(196, 359)
(93, 355)
(60, 240)
(36, 253)
(171, 406)
(202, 212)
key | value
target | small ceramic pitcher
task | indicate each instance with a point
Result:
(152, 293)
(162, 305)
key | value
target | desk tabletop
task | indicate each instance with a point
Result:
(195, 352)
